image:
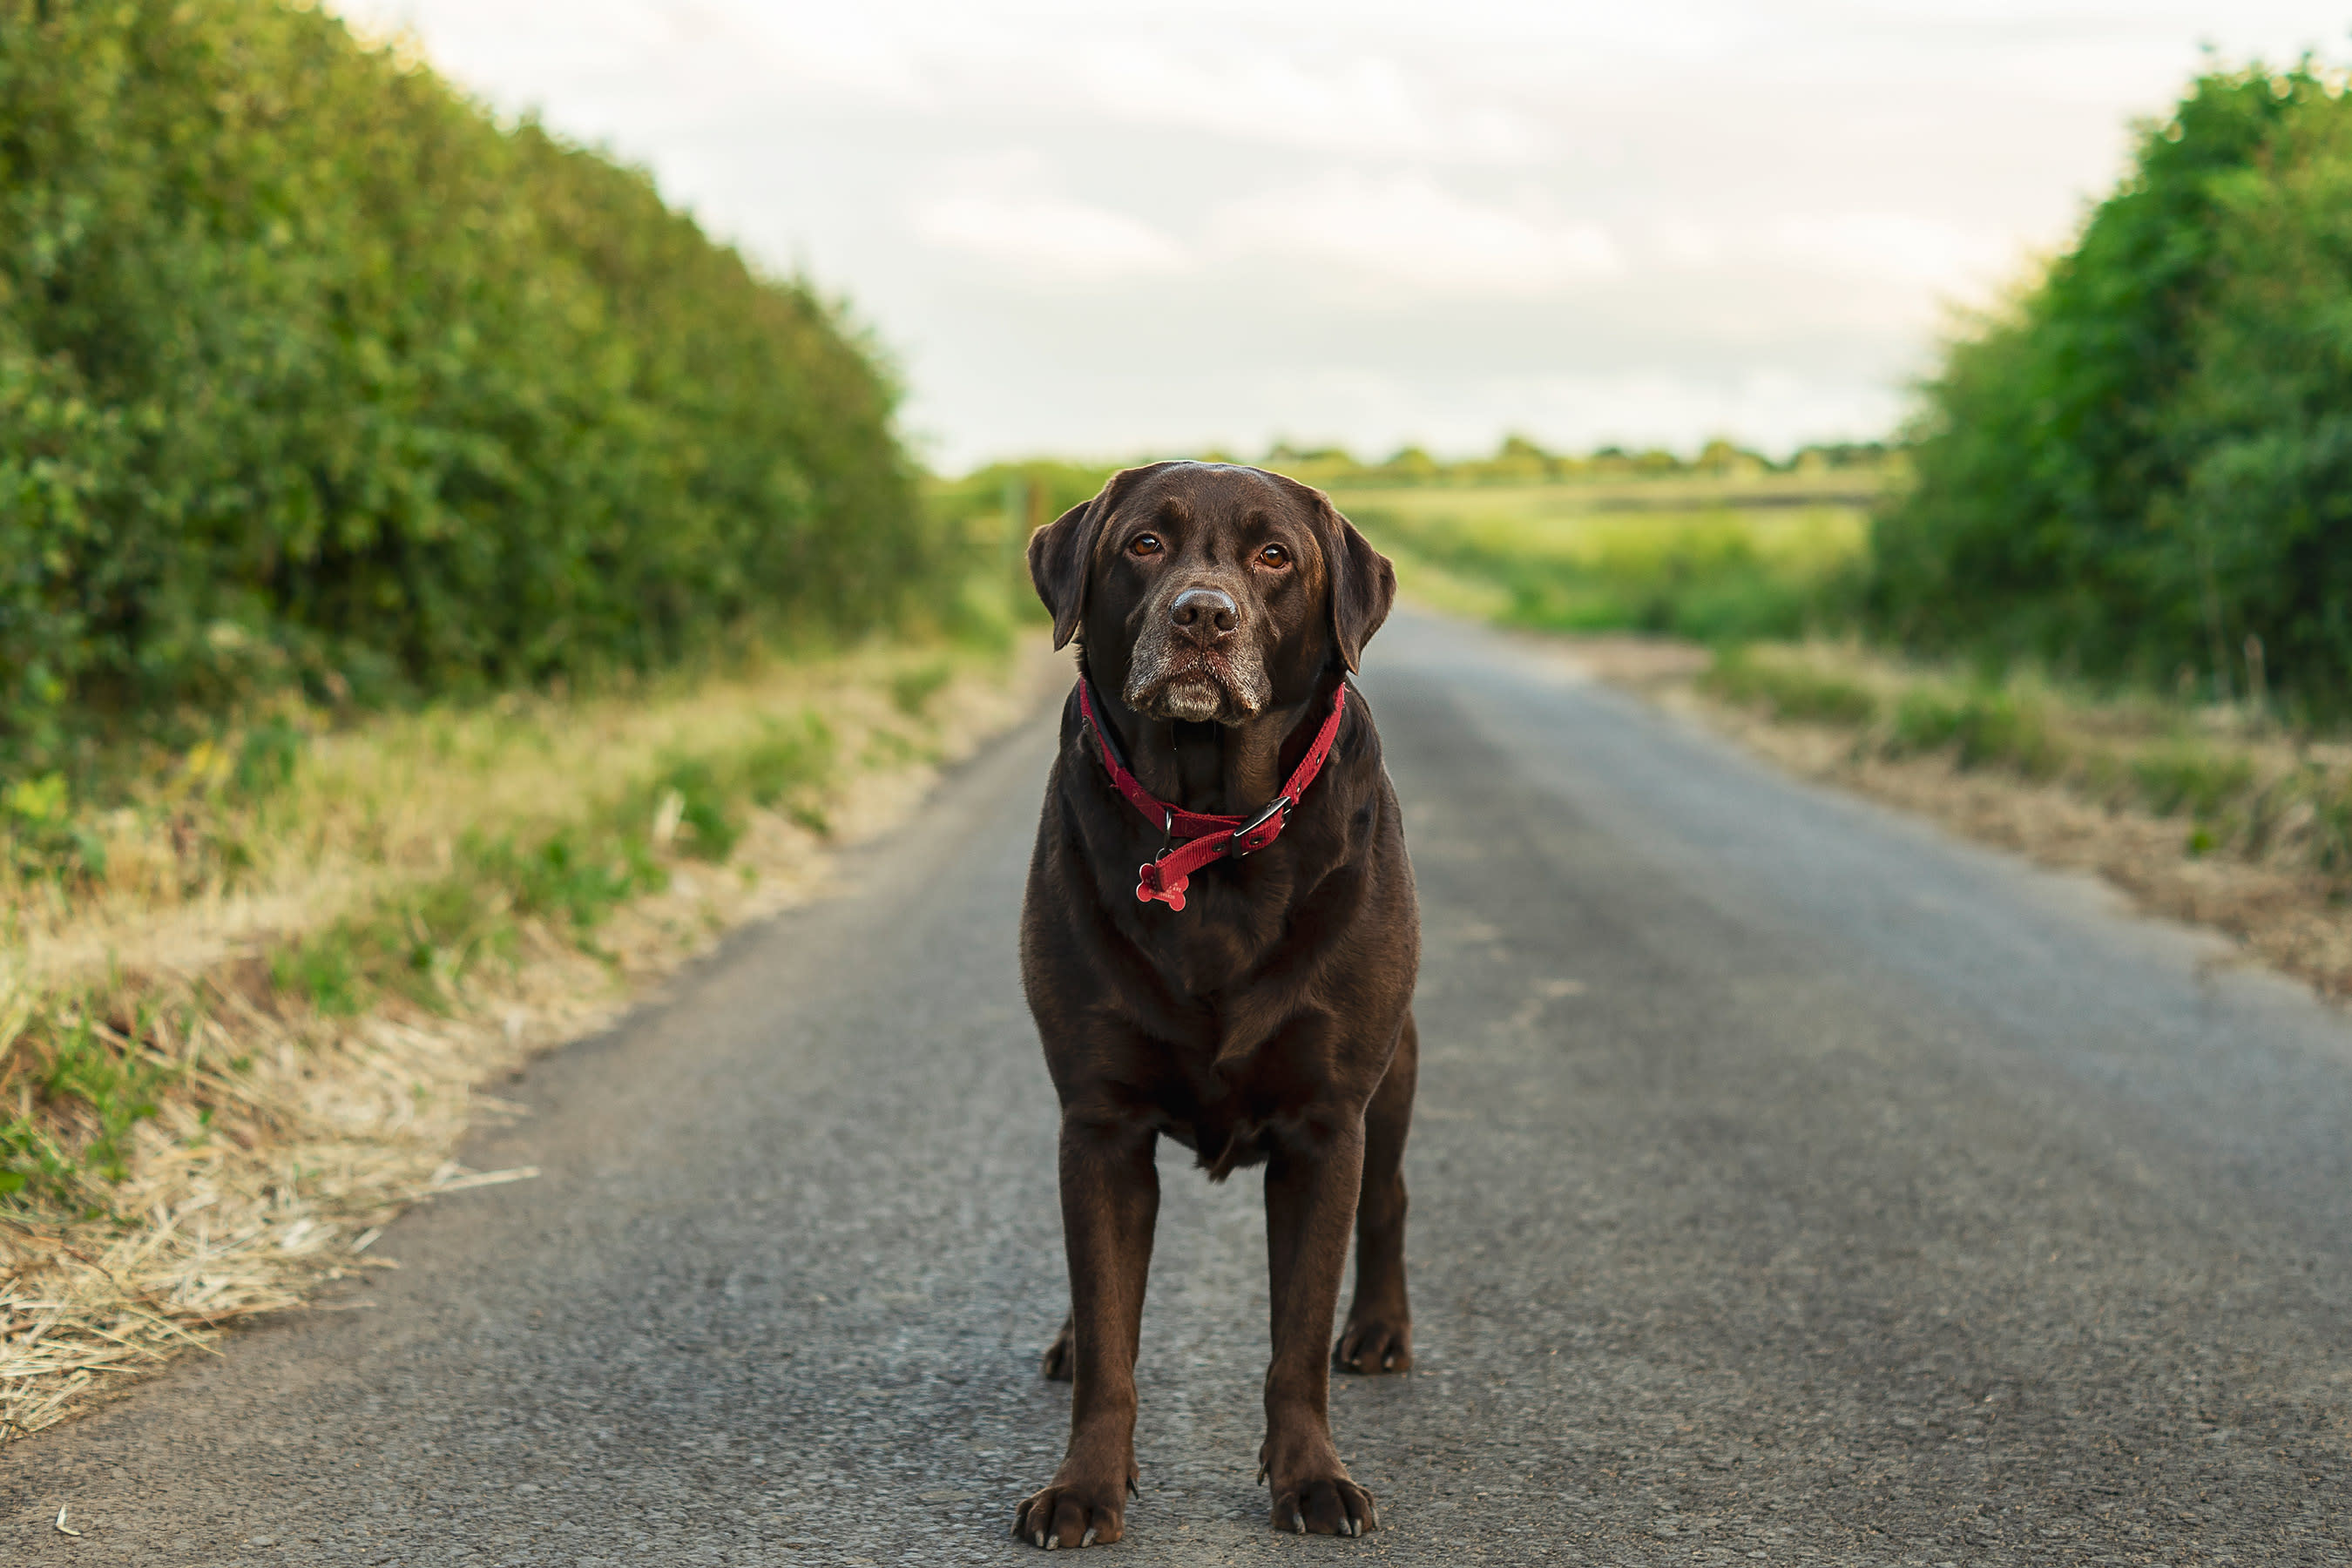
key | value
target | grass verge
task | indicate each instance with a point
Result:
(2232, 784)
(2209, 814)
(246, 1008)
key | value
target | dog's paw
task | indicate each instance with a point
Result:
(1374, 1343)
(1332, 1506)
(1068, 1515)
(1060, 1361)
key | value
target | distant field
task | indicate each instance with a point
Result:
(1850, 487)
(1713, 559)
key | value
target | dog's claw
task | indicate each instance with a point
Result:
(1375, 1344)
(1063, 1517)
(1339, 1507)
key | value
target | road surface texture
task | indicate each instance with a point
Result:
(1790, 1184)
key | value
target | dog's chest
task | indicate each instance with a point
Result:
(1229, 1115)
(1225, 934)
(1227, 1135)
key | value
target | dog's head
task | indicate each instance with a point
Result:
(1206, 591)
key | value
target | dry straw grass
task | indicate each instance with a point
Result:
(285, 1140)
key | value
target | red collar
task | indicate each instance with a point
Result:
(1167, 875)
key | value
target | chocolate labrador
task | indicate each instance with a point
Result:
(1219, 942)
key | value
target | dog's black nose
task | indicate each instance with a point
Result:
(1205, 614)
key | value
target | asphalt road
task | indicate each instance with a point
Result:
(1790, 1182)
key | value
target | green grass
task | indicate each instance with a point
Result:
(2016, 726)
(2192, 776)
(1720, 564)
(109, 1085)
(912, 689)
(1982, 726)
(423, 941)
(419, 943)
(1790, 691)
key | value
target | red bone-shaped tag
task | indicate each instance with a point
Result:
(1172, 895)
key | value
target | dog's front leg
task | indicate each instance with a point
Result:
(1110, 1197)
(1312, 1178)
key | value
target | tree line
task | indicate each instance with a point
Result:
(316, 378)
(2139, 467)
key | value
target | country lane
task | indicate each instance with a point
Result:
(1791, 1183)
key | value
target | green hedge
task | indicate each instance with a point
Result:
(2145, 466)
(311, 372)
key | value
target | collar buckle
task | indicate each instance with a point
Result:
(1248, 837)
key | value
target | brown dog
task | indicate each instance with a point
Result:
(1255, 1005)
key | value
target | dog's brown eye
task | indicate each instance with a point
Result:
(1144, 544)
(1274, 555)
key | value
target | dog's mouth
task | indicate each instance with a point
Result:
(1194, 695)
(1198, 686)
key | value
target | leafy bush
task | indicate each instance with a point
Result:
(313, 375)
(2145, 463)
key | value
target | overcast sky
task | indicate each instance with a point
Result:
(1099, 228)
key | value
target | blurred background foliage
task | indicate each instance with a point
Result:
(1725, 545)
(2135, 473)
(2140, 471)
(318, 382)
(1713, 562)
(319, 386)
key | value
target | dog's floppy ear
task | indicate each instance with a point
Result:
(1062, 555)
(1059, 554)
(1363, 583)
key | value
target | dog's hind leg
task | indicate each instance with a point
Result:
(1060, 1361)
(1379, 1335)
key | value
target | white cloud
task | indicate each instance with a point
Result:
(1893, 269)
(1413, 233)
(1364, 105)
(1047, 239)
(1900, 247)
(1672, 196)
(844, 48)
